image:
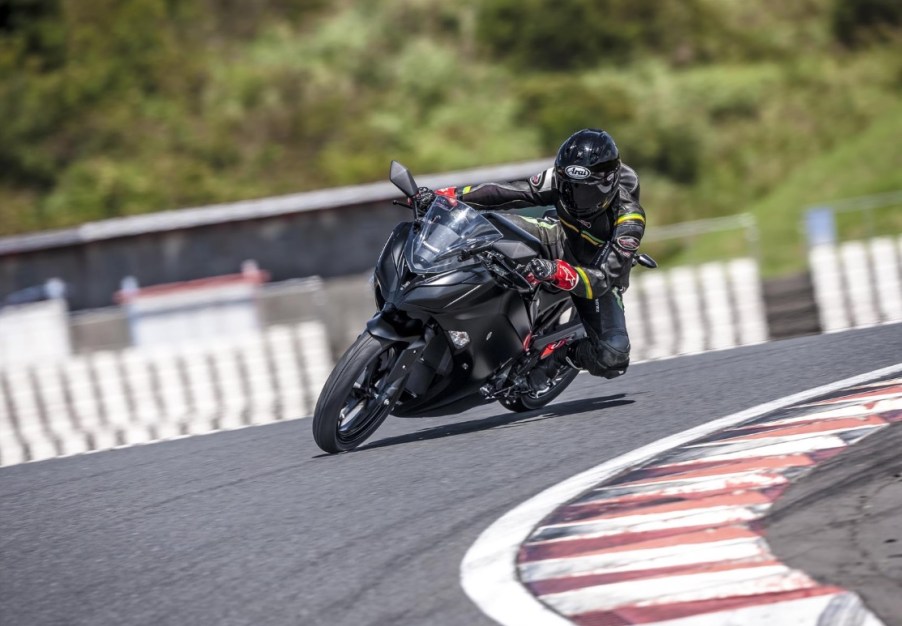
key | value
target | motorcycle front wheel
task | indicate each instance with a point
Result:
(348, 410)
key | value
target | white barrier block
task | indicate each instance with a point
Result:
(635, 321)
(73, 442)
(5, 417)
(316, 357)
(746, 289)
(259, 378)
(232, 398)
(887, 280)
(11, 451)
(51, 392)
(172, 387)
(828, 292)
(139, 434)
(61, 423)
(281, 348)
(23, 399)
(104, 438)
(40, 448)
(718, 311)
(84, 399)
(200, 382)
(857, 273)
(688, 310)
(232, 418)
(140, 385)
(112, 391)
(660, 316)
(168, 430)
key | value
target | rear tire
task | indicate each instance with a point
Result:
(347, 413)
(531, 402)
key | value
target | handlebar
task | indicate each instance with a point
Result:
(504, 270)
(645, 261)
(515, 275)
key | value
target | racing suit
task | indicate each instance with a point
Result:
(600, 249)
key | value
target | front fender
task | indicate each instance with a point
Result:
(389, 328)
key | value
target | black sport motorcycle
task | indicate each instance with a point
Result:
(459, 325)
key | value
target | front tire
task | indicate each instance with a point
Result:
(347, 411)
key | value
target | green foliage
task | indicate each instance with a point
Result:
(857, 22)
(114, 108)
(864, 165)
(546, 35)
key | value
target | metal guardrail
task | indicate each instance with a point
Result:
(685, 230)
(819, 220)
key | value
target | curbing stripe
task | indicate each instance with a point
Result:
(488, 572)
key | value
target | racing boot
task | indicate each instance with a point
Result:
(549, 368)
(608, 357)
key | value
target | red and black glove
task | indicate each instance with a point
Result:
(426, 196)
(448, 192)
(559, 273)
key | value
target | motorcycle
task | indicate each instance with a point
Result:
(458, 325)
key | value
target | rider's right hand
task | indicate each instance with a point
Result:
(559, 273)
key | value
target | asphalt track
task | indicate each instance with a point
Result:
(256, 527)
(851, 504)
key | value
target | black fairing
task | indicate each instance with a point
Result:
(497, 320)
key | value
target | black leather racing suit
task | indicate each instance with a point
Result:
(600, 249)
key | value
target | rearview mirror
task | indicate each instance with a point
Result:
(402, 179)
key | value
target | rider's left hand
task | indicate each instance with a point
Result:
(423, 200)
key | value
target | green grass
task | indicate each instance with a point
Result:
(869, 163)
(722, 106)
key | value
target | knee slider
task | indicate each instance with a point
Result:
(614, 351)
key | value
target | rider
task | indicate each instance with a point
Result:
(589, 245)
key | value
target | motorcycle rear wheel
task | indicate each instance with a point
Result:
(347, 411)
(536, 400)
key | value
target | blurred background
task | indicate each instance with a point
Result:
(192, 194)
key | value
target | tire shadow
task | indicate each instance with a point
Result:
(506, 419)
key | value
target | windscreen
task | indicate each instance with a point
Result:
(449, 228)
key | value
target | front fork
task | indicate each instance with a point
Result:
(397, 377)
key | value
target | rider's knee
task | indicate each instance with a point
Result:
(608, 357)
(616, 346)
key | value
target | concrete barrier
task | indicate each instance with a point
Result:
(136, 395)
(857, 283)
(691, 309)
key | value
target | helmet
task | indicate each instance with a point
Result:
(587, 172)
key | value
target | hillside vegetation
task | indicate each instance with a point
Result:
(113, 108)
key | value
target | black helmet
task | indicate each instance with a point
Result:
(587, 172)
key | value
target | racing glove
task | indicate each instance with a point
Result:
(423, 200)
(448, 192)
(558, 273)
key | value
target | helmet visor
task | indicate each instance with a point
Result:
(587, 197)
(595, 193)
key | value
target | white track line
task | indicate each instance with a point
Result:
(488, 572)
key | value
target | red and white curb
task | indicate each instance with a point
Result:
(677, 540)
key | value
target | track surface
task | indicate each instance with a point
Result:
(852, 503)
(255, 527)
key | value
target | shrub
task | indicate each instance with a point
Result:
(857, 22)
